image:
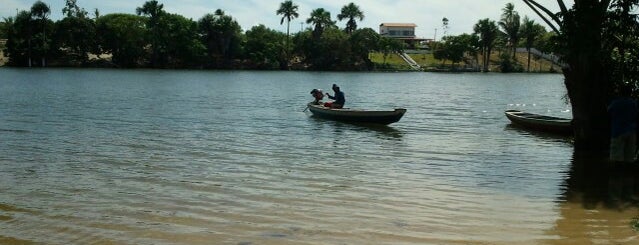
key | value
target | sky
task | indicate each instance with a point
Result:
(426, 14)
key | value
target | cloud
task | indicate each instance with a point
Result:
(9, 7)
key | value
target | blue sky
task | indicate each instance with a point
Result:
(427, 14)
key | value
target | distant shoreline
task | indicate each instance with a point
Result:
(105, 64)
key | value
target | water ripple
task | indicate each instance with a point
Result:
(189, 157)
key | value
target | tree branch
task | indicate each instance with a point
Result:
(542, 8)
(562, 6)
(552, 26)
(604, 5)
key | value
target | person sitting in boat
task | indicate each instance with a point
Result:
(623, 121)
(318, 95)
(339, 99)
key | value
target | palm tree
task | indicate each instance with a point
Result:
(351, 12)
(509, 24)
(220, 34)
(41, 11)
(19, 31)
(321, 19)
(151, 9)
(531, 31)
(445, 25)
(487, 31)
(288, 10)
(154, 11)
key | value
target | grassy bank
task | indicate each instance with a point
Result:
(428, 62)
(3, 60)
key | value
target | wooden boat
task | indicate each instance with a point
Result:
(356, 116)
(540, 122)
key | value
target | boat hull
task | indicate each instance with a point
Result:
(357, 116)
(540, 122)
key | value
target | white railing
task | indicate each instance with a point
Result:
(534, 51)
(410, 61)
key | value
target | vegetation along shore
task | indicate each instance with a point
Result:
(154, 38)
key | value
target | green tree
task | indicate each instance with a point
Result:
(531, 32)
(3, 29)
(288, 10)
(363, 42)
(40, 11)
(590, 34)
(75, 34)
(472, 45)
(454, 48)
(321, 19)
(507, 64)
(547, 44)
(181, 46)
(19, 38)
(389, 46)
(222, 36)
(487, 31)
(333, 51)
(76, 37)
(509, 23)
(445, 26)
(351, 12)
(156, 33)
(71, 9)
(122, 36)
(263, 47)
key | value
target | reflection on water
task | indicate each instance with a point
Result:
(385, 132)
(539, 134)
(600, 201)
(200, 157)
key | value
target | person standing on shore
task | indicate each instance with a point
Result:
(623, 127)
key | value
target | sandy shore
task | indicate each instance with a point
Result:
(3, 60)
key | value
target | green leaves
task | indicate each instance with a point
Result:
(263, 47)
(351, 12)
(122, 35)
(222, 36)
(635, 224)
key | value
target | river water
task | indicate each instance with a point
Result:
(91, 156)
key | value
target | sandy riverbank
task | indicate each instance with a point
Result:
(3, 60)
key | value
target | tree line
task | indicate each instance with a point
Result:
(506, 35)
(155, 38)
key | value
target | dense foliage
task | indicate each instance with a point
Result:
(155, 38)
(598, 42)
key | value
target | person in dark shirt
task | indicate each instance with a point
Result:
(339, 98)
(623, 127)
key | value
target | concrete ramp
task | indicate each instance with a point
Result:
(410, 61)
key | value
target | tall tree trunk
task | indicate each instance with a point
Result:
(587, 84)
(528, 59)
(44, 45)
(29, 43)
(288, 56)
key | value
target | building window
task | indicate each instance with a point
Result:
(393, 33)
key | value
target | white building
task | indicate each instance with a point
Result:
(397, 30)
(402, 31)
